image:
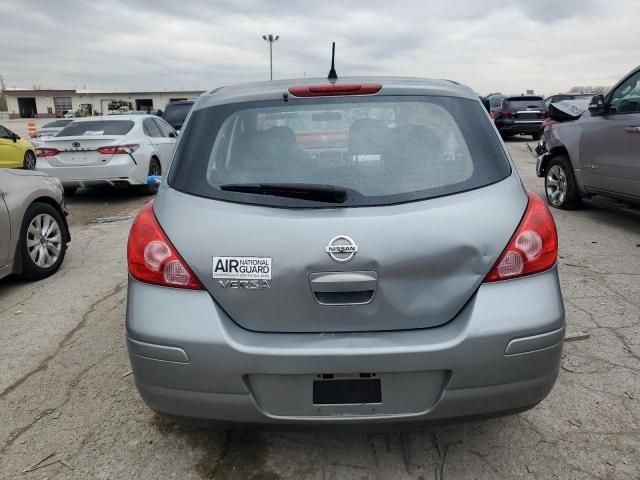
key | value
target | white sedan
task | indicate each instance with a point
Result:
(116, 150)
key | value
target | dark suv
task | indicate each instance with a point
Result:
(176, 113)
(518, 115)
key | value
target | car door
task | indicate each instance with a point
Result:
(168, 141)
(10, 151)
(158, 140)
(5, 225)
(610, 143)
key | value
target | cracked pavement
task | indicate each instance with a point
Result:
(65, 391)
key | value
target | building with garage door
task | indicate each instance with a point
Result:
(23, 103)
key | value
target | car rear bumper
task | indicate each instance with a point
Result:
(526, 127)
(500, 354)
(119, 171)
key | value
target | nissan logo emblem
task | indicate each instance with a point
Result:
(341, 248)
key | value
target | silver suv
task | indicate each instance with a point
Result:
(350, 252)
(597, 154)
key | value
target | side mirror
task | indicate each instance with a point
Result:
(15, 137)
(597, 106)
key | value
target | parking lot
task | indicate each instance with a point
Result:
(75, 413)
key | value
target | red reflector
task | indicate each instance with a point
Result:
(47, 152)
(151, 256)
(534, 246)
(335, 90)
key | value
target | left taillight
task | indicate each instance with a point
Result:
(534, 246)
(151, 256)
(47, 152)
(117, 149)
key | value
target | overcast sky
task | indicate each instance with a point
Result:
(491, 45)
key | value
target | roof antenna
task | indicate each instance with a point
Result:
(333, 76)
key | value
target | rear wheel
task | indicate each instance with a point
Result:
(560, 184)
(43, 241)
(156, 170)
(29, 160)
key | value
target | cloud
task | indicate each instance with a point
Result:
(163, 44)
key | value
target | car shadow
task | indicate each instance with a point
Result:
(251, 452)
(90, 204)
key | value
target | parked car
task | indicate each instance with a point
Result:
(410, 278)
(565, 111)
(118, 150)
(176, 113)
(598, 152)
(33, 228)
(49, 129)
(518, 115)
(15, 152)
(558, 97)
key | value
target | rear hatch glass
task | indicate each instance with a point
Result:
(96, 128)
(57, 124)
(526, 103)
(377, 150)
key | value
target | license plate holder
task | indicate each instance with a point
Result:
(354, 391)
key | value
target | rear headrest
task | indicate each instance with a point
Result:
(413, 143)
(415, 136)
(281, 137)
(367, 136)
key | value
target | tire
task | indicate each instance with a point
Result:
(29, 160)
(42, 255)
(154, 169)
(536, 136)
(560, 186)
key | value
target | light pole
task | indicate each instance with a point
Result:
(270, 39)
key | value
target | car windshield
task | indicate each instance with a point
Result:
(177, 112)
(379, 150)
(57, 124)
(97, 127)
(525, 103)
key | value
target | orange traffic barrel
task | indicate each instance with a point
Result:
(31, 128)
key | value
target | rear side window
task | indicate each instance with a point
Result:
(97, 127)
(382, 150)
(526, 103)
(150, 128)
(165, 129)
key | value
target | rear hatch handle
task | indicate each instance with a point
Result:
(343, 288)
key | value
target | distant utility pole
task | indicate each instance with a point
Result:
(270, 39)
(3, 102)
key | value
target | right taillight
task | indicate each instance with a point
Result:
(534, 246)
(117, 149)
(152, 258)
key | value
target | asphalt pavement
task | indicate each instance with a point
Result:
(69, 408)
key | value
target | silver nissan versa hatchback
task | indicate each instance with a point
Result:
(357, 251)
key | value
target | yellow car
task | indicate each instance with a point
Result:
(15, 152)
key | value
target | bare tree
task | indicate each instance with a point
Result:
(588, 89)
